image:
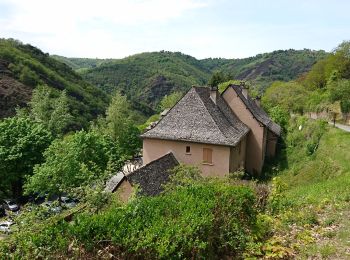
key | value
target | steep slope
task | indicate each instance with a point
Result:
(263, 69)
(23, 67)
(145, 78)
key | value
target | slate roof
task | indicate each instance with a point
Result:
(153, 175)
(257, 111)
(196, 118)
(113, 183)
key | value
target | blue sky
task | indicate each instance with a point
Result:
(208, 28)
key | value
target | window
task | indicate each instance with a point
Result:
(207, 155)
(188, 149)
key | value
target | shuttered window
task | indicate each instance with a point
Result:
(207, 155)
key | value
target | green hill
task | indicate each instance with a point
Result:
(145, 78)
(81, 64)
(263, 69)
(23, 67)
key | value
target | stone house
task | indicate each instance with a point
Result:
(219, 133)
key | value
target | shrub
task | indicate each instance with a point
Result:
(210, 219)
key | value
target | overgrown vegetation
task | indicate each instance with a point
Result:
(146, 78)
(32, 67)
(319, 90)
(195, 218)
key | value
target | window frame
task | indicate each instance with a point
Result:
(207, 156)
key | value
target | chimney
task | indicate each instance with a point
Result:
(213, 93)
(244, 89)
(257, 100)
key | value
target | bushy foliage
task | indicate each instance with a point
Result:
(306, 134)
(290, 96)
(280, 116)
(77, 160)
(201, 220)
(326, 82)
(53, 113)
(168, 101)
(32, 67)
(22, 143)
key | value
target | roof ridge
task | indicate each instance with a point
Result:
(216, 106)
(211, 116)
(257, 112)
(152, 162)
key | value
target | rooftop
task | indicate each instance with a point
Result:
(196, 118)
(153, 175)
(257, 111)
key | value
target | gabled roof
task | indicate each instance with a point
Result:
(257, 111)
(196, 118)
(153, 175)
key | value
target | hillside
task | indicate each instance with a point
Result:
(81, 64)
(263, 69)
(23, 67)
(147, 77)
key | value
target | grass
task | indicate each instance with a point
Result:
(323, 177)
(315, 211)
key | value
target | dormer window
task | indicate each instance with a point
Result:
(188, 149)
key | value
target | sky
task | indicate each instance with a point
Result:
(200, 28)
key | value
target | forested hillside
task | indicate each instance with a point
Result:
(265, 68)
(81, 64)
(326, 87)
(24, 67)
(145, 78)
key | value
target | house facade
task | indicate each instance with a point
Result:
(219, 133)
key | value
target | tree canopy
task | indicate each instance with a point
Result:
(74, 161)
(22, 143)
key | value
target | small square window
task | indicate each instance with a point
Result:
(188, 149)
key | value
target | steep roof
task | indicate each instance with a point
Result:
(196, 118)
(153, 175)
(257, 111)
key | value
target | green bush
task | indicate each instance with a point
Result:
(202, 220)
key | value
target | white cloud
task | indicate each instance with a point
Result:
(89, 28)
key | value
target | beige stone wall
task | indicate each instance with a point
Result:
(124, 191)
(271, 144)
(155, 148)
(237, 156)
(256, 139)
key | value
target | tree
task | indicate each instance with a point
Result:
(168, 101)
(60, 116)
(41, 104)
(72, 162)
(51, 112)
(117, 115)
(22, 143)
(290, 96)
(280, 116)
(340, 91)
(217, 78)
(129, 141)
